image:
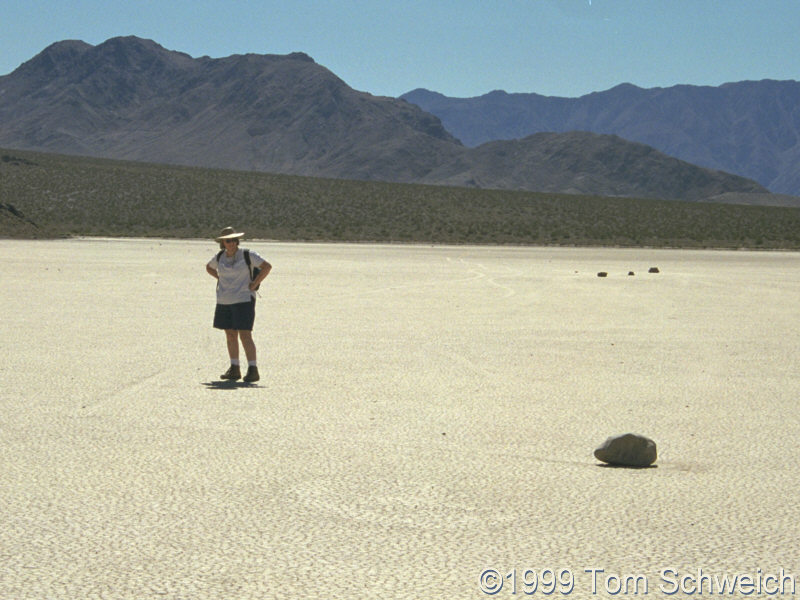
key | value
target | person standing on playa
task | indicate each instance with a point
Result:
(236, 299)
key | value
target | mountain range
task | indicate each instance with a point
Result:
(751, 128)
(130, 98)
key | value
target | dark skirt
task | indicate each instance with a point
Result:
(235, 316)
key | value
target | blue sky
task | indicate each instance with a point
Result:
(457, 47)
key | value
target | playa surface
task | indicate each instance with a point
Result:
(424, 414)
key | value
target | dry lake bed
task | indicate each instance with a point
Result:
(423, 428)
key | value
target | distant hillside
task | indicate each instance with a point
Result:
(751, 128)
(47, 195)
(586, 163)
(129, 98)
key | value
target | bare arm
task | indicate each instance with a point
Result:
(212, 272)
(265, 269)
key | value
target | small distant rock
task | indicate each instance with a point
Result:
(653, 270)
(602, 274)
(631, 273)
(628, 450)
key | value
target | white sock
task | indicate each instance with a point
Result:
(252, 363)
(235, 362)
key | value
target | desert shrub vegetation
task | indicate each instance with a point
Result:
(48, 195)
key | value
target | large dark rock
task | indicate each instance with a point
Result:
(628, 450)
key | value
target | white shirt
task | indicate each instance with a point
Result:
(234, 276)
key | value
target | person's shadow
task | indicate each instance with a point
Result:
(227, 384)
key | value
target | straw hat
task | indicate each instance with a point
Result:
(229, 233)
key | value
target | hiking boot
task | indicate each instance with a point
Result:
(252, 374)
(233, 373)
